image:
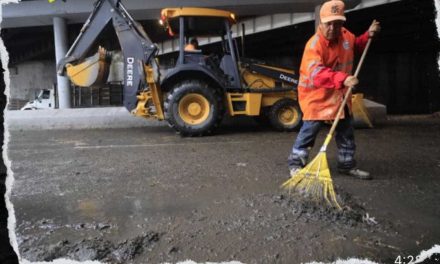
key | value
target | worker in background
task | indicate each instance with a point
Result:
(193, 45)
(325, 74)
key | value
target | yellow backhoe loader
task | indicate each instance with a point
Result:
(199, 90)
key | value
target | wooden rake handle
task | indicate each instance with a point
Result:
(347, 93)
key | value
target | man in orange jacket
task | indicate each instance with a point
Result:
(193, 45)
(325, 74)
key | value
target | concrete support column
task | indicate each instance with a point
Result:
(317, 19)
(63, 85)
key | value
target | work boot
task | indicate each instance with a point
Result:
(294, 171)
(360, 174)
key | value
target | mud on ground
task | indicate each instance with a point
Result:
(257, 224)
(219, 198)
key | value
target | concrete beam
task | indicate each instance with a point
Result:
(41, 13)
(268, 22)
(119, 117)
(77, 118)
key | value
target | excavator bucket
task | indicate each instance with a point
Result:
(360, 113)
(91, 72)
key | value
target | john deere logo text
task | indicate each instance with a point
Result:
(129, 81)
(335, 9)
(287, 78)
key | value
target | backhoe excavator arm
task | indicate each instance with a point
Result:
(138, 50)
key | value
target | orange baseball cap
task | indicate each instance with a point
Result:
(332, 10)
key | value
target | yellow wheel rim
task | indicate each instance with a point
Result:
(194, 109)
(288, 115)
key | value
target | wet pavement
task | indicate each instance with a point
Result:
(147, 195)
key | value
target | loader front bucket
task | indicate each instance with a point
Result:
(361, 117)
(93, 71)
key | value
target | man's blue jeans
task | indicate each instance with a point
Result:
(306, 139)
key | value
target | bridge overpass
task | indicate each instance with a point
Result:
(257, 15)
(40, 12)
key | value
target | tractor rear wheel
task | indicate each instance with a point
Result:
(193, 108)
(285, 115)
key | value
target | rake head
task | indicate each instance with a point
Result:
(314, 181)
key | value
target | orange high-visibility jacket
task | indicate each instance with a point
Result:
(324, 67)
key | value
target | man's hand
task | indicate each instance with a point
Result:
(351, 81)
(374, 29)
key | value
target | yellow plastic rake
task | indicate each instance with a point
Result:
(314, 180)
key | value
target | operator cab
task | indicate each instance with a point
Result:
(202, 23)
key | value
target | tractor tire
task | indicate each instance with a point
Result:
(193, 108)
(285, 115)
